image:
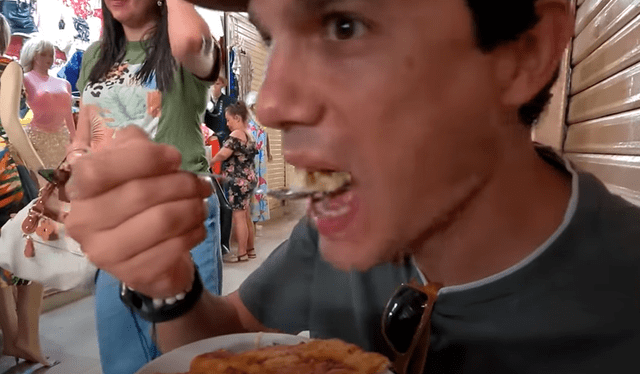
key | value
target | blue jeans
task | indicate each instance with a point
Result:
(124, 338)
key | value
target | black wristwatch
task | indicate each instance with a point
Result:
(162, 310)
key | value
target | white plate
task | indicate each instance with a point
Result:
(178, 360)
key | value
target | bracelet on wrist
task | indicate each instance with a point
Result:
(163, 310)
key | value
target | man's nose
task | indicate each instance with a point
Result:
(287, 97)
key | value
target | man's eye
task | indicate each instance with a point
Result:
(343, 27)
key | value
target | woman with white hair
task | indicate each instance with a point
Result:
(50, 101)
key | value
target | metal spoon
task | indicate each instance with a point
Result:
(288, 194)
(280, 194)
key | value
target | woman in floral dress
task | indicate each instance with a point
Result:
(239, 151)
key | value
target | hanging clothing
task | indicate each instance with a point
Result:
(81, 8)
(214, 117)
(82, 27)
(243, 70)
(19, 14)
(233, 79)
(71, 70)
(56, 22)
(259, 202)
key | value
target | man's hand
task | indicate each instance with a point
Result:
(136, 215)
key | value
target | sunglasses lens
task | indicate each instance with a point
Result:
(402, 317)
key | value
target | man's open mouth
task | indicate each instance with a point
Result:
(327, 183)
(330, 199)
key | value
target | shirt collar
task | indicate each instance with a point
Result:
(568, 217)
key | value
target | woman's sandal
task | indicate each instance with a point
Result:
(252, 253)
(231, 258)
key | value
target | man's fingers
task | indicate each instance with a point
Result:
(125, 134)
(127, 200)
(154, 266)
(146, 230)
(116, 164)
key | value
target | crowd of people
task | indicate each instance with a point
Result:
(457, 246)
(124, 79)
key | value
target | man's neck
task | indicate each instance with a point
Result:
(518, 209)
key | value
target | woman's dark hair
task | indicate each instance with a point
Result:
(239, 109)
(158, 61)
(501, 21)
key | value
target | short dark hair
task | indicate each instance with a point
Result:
(239, 109)
(501, 21)
(158, 60)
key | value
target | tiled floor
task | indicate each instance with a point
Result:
(68, 335)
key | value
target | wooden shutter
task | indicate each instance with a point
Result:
(239, 28)
(603, 116)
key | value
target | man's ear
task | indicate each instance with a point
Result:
(527, 65)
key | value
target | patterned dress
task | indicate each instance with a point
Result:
(240, 170)
(259, 202)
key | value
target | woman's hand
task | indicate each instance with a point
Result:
(136, 215)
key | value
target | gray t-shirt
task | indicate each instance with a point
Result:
(572, 306)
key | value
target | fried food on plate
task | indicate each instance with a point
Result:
(315, 357)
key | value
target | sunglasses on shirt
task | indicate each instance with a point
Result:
(406, 325)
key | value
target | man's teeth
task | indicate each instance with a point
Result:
(329, 208)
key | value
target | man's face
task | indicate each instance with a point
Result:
(216, 89)
(394, 92)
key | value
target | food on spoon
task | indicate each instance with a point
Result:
(321, 181)
(315, 357)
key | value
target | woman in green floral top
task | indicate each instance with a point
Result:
(239, 151)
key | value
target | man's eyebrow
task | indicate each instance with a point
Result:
(301, 9)
(317, 6)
